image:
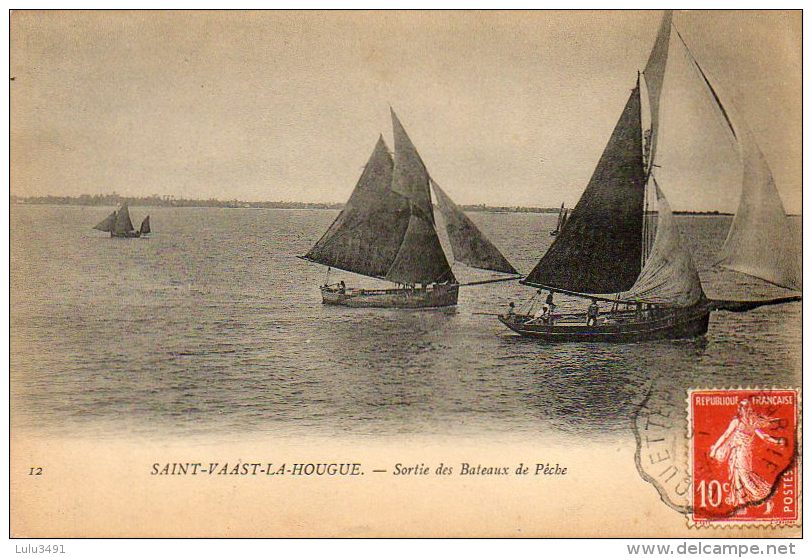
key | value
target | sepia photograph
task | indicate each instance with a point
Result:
(405, 273)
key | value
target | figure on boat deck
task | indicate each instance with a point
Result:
(592, 313)
(542, 316)
(550, 303)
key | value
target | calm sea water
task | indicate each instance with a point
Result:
(212, 326)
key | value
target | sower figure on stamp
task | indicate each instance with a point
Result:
(736, 446)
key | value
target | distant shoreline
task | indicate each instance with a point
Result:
(167, 201)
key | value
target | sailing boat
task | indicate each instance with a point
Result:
(562, 219)
(609, 252)
(387, 231)
(119, 224)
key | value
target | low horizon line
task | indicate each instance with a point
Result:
(100, 200)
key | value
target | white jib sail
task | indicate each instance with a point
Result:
(760, 241)
(669, 276)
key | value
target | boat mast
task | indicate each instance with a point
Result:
(656, 268)
(599, 251)
(420, 258)
(668, 275)
(654, 74)
(645, 154)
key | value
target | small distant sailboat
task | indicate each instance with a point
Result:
(387, 231)
(563, 213)
(608, 249)
(119, 224)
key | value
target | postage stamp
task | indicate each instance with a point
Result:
(742, 452)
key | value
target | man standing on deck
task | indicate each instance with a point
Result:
(550, 303)
(542, 315)
(592, 313)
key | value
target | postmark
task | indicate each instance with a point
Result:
(742, 456)
(661, 455)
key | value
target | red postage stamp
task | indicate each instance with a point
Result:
(742, 453)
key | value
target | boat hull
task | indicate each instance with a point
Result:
(436, 296)
(673, 324)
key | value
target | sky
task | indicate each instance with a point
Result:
(506, 108)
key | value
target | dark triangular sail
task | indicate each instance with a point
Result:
(108, 224)
(123, 222)
(367, 235)
(410, 177)
(599, 248)
(468, 244)
(421, 258)
(145, 226)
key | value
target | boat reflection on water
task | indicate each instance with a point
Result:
(423, 374)
(387, 376)
(595, 390)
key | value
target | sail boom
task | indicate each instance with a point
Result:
(494, 280)
(311, 260)
(606, 297)
(747, 305)
(732, 267)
